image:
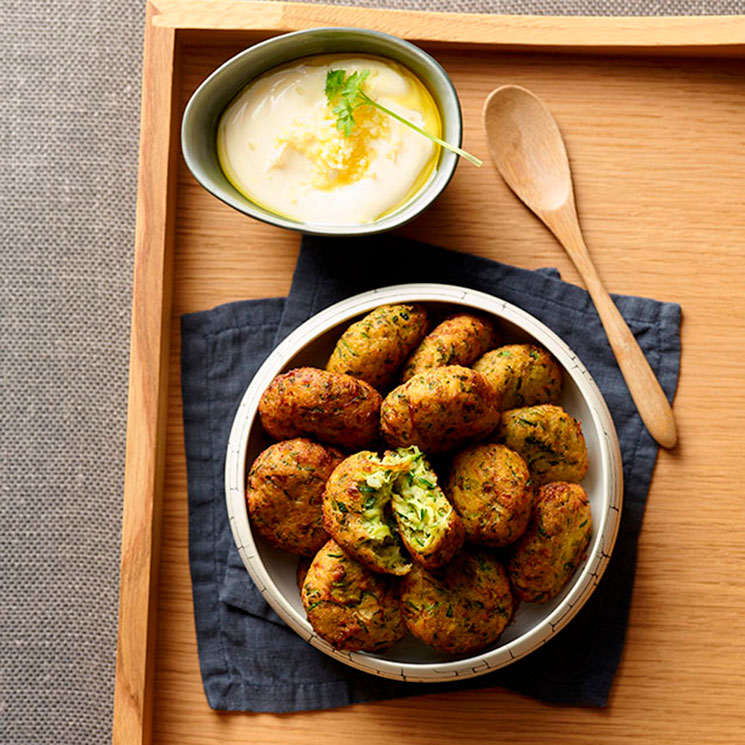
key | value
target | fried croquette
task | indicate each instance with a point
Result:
(374, 348)
(440, 410)
(462, 608)
(547, 555)
(489, 487)
(356, 513)
(371, 506)
(458, 340)
(524, 375)
(427, 523)
(285, 494)
(548, 439)
(334, 408)
(348, 605)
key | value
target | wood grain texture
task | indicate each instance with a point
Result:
(147, 406)
(658, 154)
(710, 35)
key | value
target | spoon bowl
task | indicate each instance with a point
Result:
(532, 159)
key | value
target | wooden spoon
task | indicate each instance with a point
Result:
(528, 151)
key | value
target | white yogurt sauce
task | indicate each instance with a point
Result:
(279, 146)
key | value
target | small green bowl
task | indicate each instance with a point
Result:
(203, 112)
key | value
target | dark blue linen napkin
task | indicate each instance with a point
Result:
(250, 660)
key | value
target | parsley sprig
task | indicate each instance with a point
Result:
(344, 92)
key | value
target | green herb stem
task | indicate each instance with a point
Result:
(459, 151)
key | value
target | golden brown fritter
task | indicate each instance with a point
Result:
(462, 608)
(372, 505)
(490, 488)
(337, 409)
(547, 555)
(548, 439)
(440, 410)
(356, 513)
(285, 494)
(374, 348)
(524, 375)
(427, 523)
(348, 605)
(458, 340)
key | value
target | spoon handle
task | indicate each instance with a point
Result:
(644, 387)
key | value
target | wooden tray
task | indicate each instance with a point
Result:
(653, 113)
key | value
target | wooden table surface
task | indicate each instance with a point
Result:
(658, 151)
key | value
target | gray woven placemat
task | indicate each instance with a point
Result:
(69, 107)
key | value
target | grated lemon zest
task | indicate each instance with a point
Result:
(336, 160)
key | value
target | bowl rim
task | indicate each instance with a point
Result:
(409, 211)
(606, 528)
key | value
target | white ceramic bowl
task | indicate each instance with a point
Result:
(273, 570)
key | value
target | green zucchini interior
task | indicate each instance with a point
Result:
(377, 519)
(403, 501)
(421, 509)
